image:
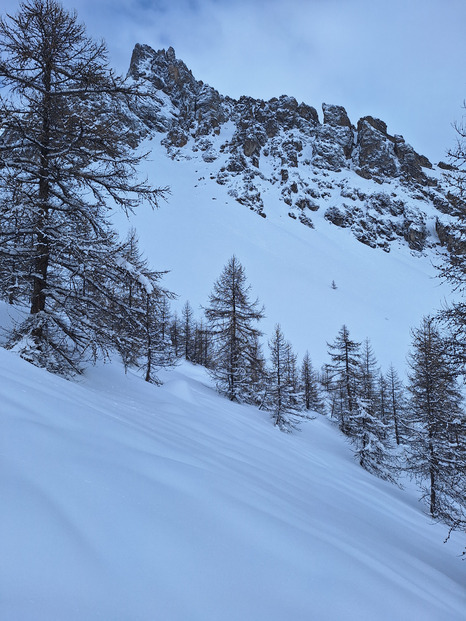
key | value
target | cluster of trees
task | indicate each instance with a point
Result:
(238, 364)
(227, 342)
(419, 429)
(67, 157)
(366, 403)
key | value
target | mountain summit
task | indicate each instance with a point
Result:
(359, 176)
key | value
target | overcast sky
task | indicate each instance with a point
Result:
(403, 61)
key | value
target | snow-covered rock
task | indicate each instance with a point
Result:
(256, 147)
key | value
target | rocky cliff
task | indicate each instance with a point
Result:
(359, 176)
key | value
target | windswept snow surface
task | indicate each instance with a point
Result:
(121, 501)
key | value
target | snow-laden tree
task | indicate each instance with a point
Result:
(437, 443)
(232, 317)
(146, 343)
(355, 402)
(367, 429)
(291, 372)
(67, 140)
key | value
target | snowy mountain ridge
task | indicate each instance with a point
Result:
(359, 177)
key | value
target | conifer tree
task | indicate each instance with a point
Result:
(453, 268)
(368, 431)
(396, 404)
(202, 345)
(282, 397)
(164, 318)
(175, 335)
(256, 372)
(310, 386)
(381, 399)
(291, 371)
(232, 317)
(152, 346)
(325, 377)
(145, 342)
(66, 156)
(437, 444)
(368, 373)
(345, 368)
(157, 349)
(187, 331)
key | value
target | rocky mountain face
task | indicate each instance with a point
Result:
(358, 176)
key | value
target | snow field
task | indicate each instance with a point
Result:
(126, 501)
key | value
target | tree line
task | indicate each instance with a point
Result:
(418, 429)
(68, 134)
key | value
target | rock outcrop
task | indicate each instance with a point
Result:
(329, 165)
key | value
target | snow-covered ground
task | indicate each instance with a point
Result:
(124, 501)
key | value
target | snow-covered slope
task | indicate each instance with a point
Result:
(123, 501)
(289, 266)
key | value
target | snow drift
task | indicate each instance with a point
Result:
(121, 500)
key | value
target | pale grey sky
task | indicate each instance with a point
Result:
(400, 60)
